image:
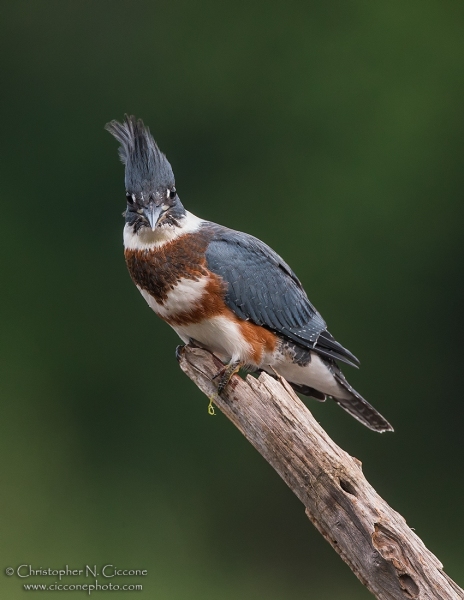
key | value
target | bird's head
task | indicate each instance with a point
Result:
(152, 200)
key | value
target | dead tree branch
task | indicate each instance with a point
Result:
(373, 539)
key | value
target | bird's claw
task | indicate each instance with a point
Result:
(179, 352)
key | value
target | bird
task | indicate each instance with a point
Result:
(224, 290)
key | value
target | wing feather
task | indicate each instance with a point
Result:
(262, 288)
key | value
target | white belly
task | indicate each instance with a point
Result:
(181, 299)
(220, 335)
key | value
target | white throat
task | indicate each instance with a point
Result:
(146, 239)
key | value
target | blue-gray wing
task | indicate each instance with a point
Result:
(263, 289)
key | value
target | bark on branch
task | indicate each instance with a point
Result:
(373, 539)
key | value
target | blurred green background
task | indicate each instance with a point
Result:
(334, 132)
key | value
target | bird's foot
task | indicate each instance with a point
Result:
(180, 349)
(225, 374)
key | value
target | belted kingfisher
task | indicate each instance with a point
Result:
(224, 290)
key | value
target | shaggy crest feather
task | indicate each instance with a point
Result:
(147, 168)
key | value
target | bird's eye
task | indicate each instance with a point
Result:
(129, 198)
(172, 193)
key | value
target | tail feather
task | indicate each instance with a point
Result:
(366, 414)
(349, 399)
(357, 407)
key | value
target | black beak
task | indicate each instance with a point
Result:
(152, 213)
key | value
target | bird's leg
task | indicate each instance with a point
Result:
(225, 374)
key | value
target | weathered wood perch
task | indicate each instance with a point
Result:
(373, 539)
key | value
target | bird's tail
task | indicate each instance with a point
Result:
(361, 410)
(357, 407)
